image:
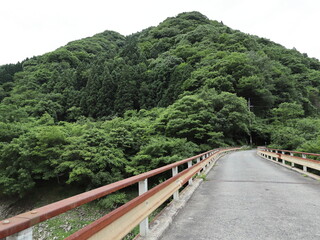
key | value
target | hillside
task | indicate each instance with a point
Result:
(105, 107)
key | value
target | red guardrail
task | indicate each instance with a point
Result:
(26, 220)
(310, 166)
(289, 151)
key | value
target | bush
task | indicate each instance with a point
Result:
(113, 201)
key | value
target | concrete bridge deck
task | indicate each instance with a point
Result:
(247, 197)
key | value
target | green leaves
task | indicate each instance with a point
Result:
(188, 118)
(160, 151)
(288, 111)
(73, 153)
(295, 133)
(286, 138)
(206, 118)
(312, 146)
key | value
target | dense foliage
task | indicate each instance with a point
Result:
(109, 106)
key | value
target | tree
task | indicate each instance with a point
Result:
(28, 159)
(233, 116)
(160, 151)
(190, 118)
(287, 111)
(286, 138)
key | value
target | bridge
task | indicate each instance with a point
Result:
(258, 194)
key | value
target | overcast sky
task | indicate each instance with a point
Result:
(34, 27)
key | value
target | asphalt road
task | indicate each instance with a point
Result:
(246, 197)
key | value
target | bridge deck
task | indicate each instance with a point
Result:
(246, 197)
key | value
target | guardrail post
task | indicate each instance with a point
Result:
(175, 194)
(304, 167)
(144, 225)
(292, 163)
(204, 157)
(23, 235)
(189, 166)
(282, 160)
(198, 160)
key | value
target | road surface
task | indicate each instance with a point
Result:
(247, 197)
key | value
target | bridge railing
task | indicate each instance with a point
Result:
(307, 162)
(122, 220)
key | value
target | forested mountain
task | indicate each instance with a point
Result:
(109, 106)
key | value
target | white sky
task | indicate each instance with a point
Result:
(34, 27)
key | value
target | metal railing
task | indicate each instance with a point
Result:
(122, 220)
(294, 159)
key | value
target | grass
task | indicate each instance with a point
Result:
(63, 225)
(67, 223)
(202, 176)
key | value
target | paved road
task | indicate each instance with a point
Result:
(247, 197)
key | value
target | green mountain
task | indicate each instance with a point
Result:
(109, 106)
